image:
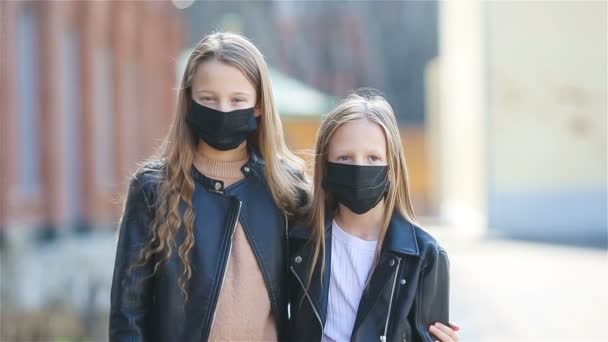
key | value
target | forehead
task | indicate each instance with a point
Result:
(360, 135)
(219, 77)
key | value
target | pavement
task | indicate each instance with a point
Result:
(501, 290)
(517, 291)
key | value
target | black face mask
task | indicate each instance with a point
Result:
(223, 131)
(358, 187)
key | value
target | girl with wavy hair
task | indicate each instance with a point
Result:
(201, 251)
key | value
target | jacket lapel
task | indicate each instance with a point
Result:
(400, 242)
(301, 262)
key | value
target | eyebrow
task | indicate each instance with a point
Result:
(241, 93)
(370, 151)
(212, 92)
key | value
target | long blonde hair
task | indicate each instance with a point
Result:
(364, 104)
(284, 171)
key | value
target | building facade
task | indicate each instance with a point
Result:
(88, 89)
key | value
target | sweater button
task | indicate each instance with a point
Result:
(403, 281)
(218, 186)
(246, 169)
(298, 259)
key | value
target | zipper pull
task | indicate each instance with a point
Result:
(383, 338)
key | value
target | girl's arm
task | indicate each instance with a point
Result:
(432, 298)
(131, 294)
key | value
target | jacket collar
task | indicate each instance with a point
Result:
(401, 236)
(304, 231)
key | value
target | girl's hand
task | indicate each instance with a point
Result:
(445, 334)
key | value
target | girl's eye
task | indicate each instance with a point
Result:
(344, 158)
(207, 98)
(375, 158)
(239, 100)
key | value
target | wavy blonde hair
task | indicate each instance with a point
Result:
(284, 170)
(364, 104)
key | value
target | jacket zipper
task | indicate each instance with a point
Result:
(390, 303)
(310, 300)
(236, 221)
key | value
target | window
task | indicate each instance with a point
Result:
(128, 116)
(103, 129)
(28, 100)
(70, 126)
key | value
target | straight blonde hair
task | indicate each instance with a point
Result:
(370, 105)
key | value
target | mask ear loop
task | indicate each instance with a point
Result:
(387, 186)
(388, 181)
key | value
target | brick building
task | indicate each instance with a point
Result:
(87, 91)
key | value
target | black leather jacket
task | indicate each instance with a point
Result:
(152, 308)
(407, 292)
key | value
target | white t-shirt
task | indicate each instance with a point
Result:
(351, 261)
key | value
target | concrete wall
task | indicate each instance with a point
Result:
(517, 119)
(456, 123)
(547, 82)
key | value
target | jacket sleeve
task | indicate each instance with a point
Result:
(131, 289)
(432, 297)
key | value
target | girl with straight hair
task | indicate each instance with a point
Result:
(362, 269)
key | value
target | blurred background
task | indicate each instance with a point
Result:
(503, 114)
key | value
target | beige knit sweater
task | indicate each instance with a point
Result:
(243, 310)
